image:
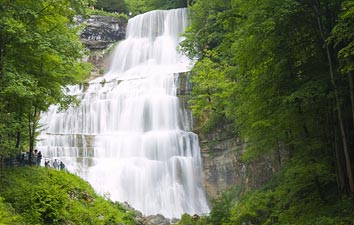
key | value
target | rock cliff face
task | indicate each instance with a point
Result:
(102, 31)
(99, 36)
(222, 152)
(224, 168)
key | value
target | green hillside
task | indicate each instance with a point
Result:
(36, 195)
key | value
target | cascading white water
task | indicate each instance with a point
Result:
(130, 137)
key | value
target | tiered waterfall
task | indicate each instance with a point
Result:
(129, 136)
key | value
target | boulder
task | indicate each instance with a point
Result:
(157, 220)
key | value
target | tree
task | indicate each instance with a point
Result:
(343, 39)
(118, 6)
(281, 72)
(168, 4)
(142, 6)
(40, 52)
(138, 6)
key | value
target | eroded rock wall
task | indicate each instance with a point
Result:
(99, 36)
(101, 31)
(223, 166)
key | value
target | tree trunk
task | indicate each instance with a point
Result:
(31, 140)
(340, 171)
(32, 124)
(1, 163)
(2, 55)
(18, 139)
(336, 95)
(350, 79)
(342, 129)
(18, 133)
(2, 52)
(279, 154)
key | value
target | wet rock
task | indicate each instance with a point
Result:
(139, 217)
(157, 220)
(101, 31)
(174, 220)
(99, 36)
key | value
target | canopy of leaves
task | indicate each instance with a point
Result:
(343, 36)
(118, 6)
(141, 6)
(40, 53)
(264, 66)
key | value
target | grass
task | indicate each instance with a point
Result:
(36, 195)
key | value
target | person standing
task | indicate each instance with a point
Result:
(56, 164)
(46, 163)
(39, 158)
(23, 157)
(62, 165)
(27, 158)
(34, 158)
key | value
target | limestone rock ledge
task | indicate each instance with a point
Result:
(102, 31)
(224, 168)
(99, 37)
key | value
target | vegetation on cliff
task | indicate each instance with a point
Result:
(113, 6)
(135, 7)
(141, 6)
(282, 73)
(98, 12)
(37, 195)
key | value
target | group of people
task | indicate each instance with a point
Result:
(56, 164)
(37, 159)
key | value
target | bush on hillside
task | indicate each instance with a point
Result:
(46, 196)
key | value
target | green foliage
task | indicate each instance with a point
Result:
(192, 220)
(264, 66)
(142, 6)
(104, 13)
(136, 7)
(221, 212)
(343, 36)
(8, 127)
(168, 4)
(118, 6)
(46, 196)
(258, 68)
(214, 89)
(208, 39)
(8, 216)
(40, 53)
(300, 195)
(304, 192)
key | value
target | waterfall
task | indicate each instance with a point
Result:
(129, 136)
